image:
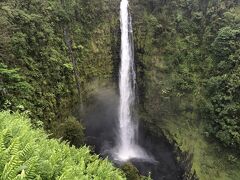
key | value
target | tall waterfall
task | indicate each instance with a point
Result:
(127, 147)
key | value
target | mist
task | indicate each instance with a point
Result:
(101, 123)
(101, 120)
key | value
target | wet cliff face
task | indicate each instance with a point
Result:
(55, 49)
(166, 82)
(178, 64)
(173, 41)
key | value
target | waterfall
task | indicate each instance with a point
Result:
(127, 147)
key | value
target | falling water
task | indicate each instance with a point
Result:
(127, 147)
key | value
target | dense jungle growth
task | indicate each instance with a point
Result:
(188, 56)
(50, 50)
(55, 53)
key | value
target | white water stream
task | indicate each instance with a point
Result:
(127, 147)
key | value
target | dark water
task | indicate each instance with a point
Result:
(101, 129)
(166, 167)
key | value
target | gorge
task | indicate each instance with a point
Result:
(155, 78)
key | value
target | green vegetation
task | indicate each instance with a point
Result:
(71, 130)
(132, 172)
(188, 73)
(50, 51)
(208, 160)
(223, 87)
(188, 69)
(27, 153)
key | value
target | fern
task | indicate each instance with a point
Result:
(28, 154)
(10, 169)
(31, 167)
(13, 149)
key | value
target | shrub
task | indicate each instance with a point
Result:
(72, 131)
(131, 171)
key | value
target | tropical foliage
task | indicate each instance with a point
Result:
(50, 51)
(188, 73)
(27, 153)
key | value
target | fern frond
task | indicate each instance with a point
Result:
(13, 149)
(26, 152)
(11, 168)
(31, 169)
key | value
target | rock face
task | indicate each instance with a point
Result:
(179, 66)
(58, 49)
